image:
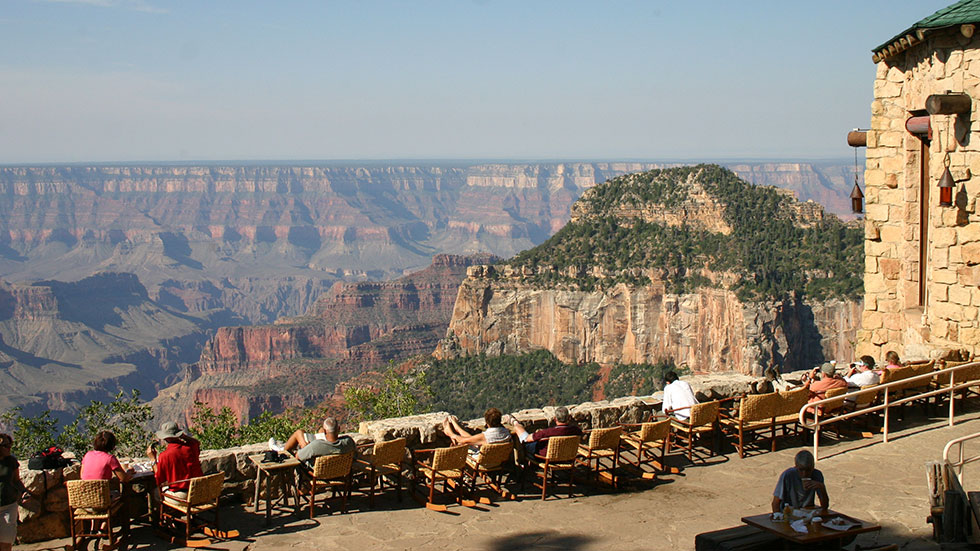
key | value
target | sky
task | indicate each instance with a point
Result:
(156, 80)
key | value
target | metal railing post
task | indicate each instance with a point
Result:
(886, 415)
(952, 395)
(816, 433)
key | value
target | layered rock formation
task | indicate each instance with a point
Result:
(264, 241)
(62, 344)
(710, 330)
(648, 270)
(297, 361)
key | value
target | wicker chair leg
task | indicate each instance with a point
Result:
(544, 482)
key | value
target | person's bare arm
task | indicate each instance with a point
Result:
(775, 504)
(122, 475)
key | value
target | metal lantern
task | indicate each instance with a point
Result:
(946, 185)
(857, 198)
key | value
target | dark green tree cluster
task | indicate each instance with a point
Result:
(127, 416)
(769, 250)
(468, 386)
(639, 379)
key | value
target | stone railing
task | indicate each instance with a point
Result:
(45, 516)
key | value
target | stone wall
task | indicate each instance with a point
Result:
(45, 516)
(895, 316)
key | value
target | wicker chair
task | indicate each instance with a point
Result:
(651, 436)
(603, 444)
(330, 472)
(559, 456)
(385, 461)
(703, 420)
(91, 511)
(487, 468)
(202, 496)
(756, 414)
(447, 465)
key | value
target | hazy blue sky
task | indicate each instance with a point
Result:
(118, 80)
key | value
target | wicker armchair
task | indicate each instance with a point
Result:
(487, 468)
(603, 444)
(446, 465)
(202, 496)
(330, 472)
(385, 461)
(651, 436)
(703, 420)
(756, 414)
(788, 412)
(92, 511)
(559, 456)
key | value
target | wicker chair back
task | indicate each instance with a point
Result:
(450, 459)
(493, 455)
(562, 448)
(333, 466)
(389, 452)
(88, 494)
(605, 439)
(651, 432)
(704, 414)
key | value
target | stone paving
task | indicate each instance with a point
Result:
(885, 483)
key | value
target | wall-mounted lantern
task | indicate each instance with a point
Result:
(857, 198)
(857, 138)
(946, 186)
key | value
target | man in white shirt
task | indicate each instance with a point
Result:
(862, 373)
(678, 397)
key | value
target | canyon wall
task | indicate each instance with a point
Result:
(64, 344)
(298, 361)
(711, 330)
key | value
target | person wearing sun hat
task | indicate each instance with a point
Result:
(181, 460)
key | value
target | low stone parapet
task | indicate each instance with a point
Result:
(45, 515)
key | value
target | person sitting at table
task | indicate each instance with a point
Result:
(893, 362)
(678, 397)
(862, 373)
(324, 442)
(178, 463)
(100, 464)
(799, 485)
(495, 431)
(537, 443)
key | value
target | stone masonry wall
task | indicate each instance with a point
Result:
(893, 318)
(45, 515)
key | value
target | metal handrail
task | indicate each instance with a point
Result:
(958, 465)
(953, 386)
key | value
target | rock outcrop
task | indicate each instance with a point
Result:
(64, 344)
(710, 330)
(353, 328)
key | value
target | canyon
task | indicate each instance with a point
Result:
(184, 252)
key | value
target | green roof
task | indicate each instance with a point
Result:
(964, 11)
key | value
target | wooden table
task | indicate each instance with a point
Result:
(817, 532)
(281, 474)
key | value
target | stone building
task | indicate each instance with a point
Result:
(922, 254)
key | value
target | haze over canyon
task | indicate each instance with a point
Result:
(119, 276)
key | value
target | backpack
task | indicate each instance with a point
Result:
(48, 458)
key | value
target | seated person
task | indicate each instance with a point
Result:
(495, 431)
(537, 443)
(798, 485)
(100, 464)
(179, 462)
(894, 362)
(862, 373)
(678, 397)
(820, 382)
(325, 442)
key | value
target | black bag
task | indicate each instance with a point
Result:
(49, 458)
(272, 457)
